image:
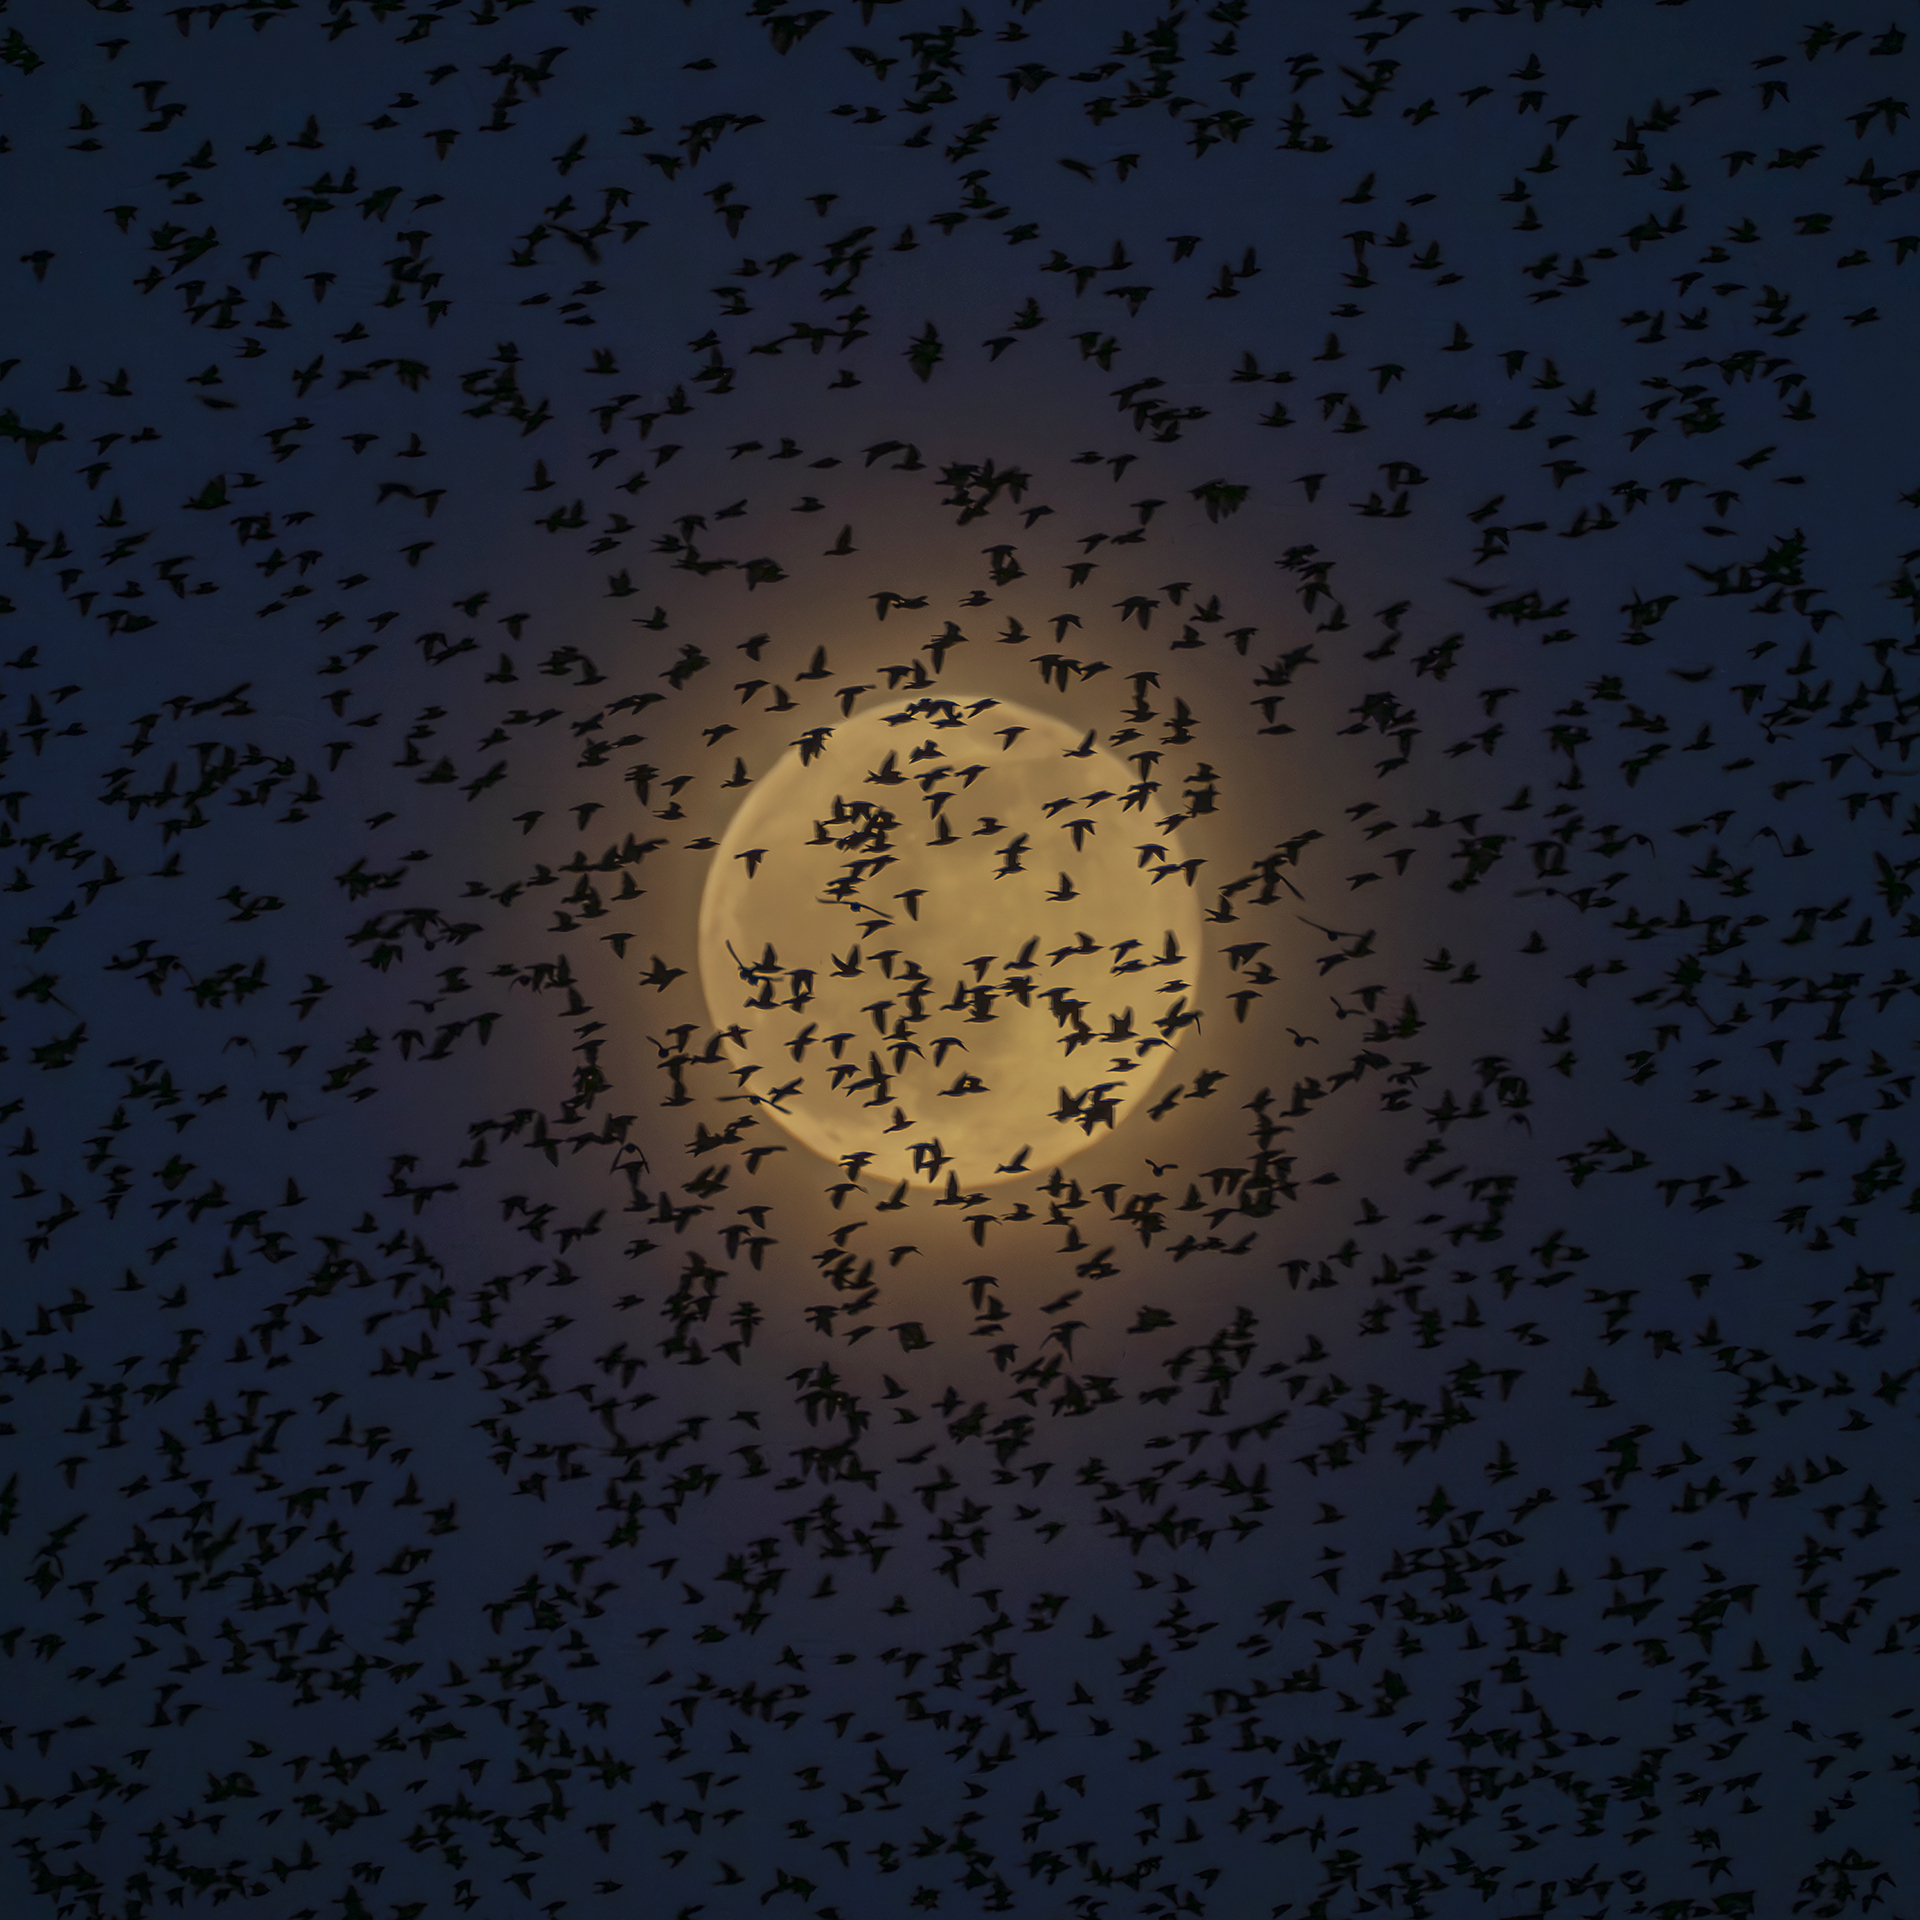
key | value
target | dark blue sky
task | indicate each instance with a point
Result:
(1446, 1455)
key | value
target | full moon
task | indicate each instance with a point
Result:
(950, 939)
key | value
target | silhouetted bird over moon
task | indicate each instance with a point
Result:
(967, 938)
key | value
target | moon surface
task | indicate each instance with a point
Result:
(950, 940)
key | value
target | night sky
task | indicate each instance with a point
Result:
(1438, 1450)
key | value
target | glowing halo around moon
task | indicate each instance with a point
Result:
(949, 939)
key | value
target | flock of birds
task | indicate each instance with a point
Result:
(1066, 1028)
(1456, 462)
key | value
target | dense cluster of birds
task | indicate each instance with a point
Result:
(875, 968)
(454, 449)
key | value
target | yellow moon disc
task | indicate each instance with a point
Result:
(949, 939)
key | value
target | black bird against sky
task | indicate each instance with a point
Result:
(1417, 1422)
